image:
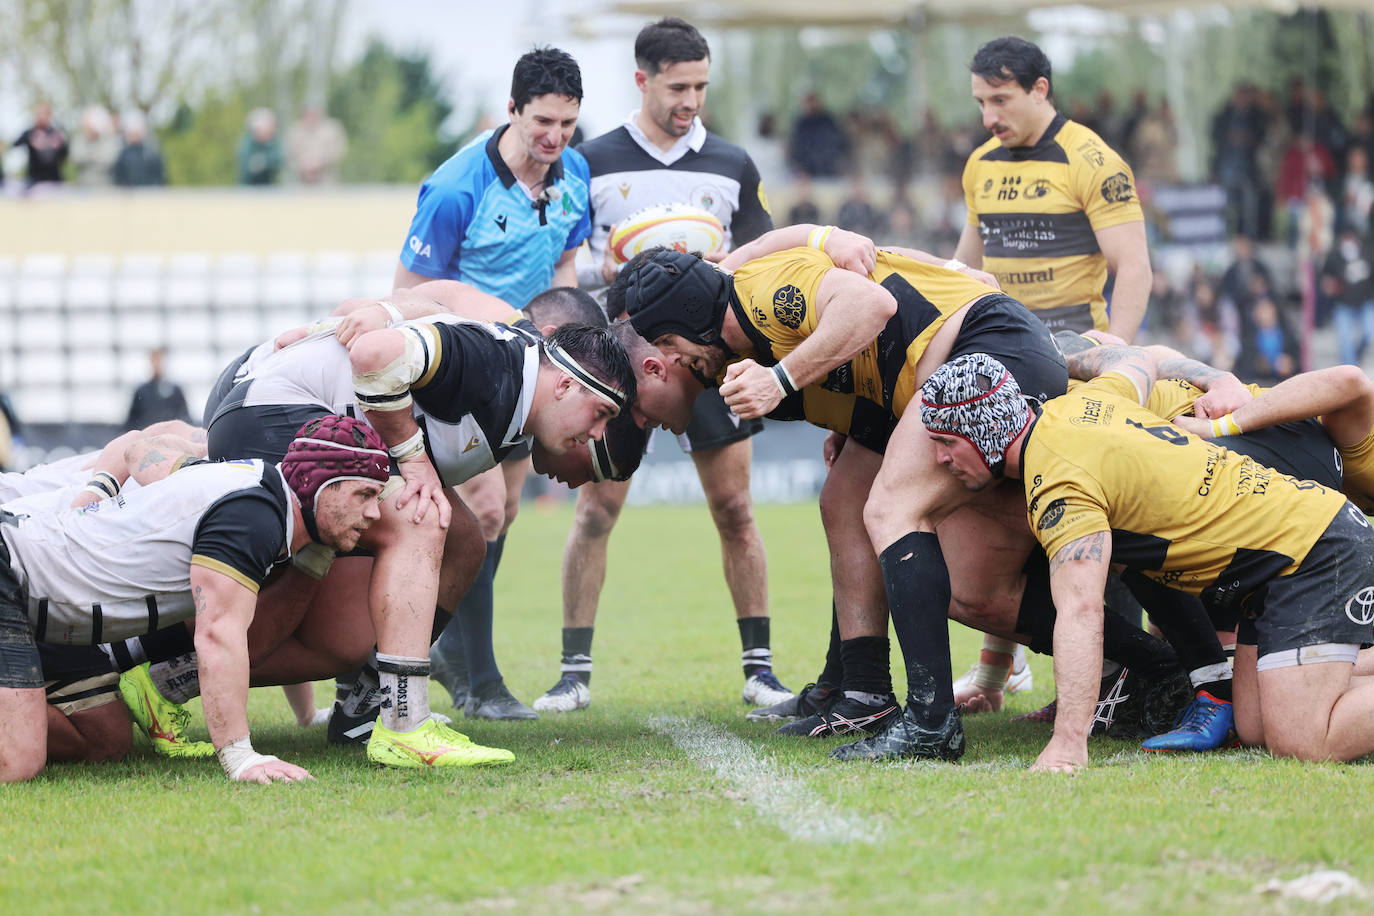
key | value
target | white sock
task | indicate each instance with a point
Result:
(178, 678)
(405, 691)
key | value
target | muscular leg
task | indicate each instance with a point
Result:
(94, 735)
(584, 555)
(1245, 687)
(466, 641)
(23, 733)
(1312, 712)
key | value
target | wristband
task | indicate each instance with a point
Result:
(103, 484)
(954, 264)
(98, 492)
(238, 756)
(393, 314)
(411, 448)
(1226, 426)
(818, 236)
(314, 560)
(784, 380)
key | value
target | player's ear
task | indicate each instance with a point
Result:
(510, 107)
(641, 79)
(548, 329)
(654, 367)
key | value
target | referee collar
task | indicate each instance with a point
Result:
(691, 141)
(503, 172)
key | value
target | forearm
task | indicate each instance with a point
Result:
(1077, 667)
(1173, 364)
(1130, 295)
(222, 652)
(565, 274)
(150, 460)
(828, 347)
(970, 247)
(771, 241)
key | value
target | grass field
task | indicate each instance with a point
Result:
(662, 798)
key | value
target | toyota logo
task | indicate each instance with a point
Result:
(1360, 607)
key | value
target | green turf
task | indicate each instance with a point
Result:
(601, 812)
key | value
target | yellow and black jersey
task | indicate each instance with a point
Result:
(774, 299)
(860, 419)
(1171, 397)
(1357, 466)
(1037, 210)
(1181, 510)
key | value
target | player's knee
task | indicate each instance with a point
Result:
(491, 517)
(733, 514)
(595, 518)
(22, 760)
(512, 510)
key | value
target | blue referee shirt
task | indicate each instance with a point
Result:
(475, 223)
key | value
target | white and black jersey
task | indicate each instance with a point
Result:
(121, 567)
(472, 400)
(629, 173)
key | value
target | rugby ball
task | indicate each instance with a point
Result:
(678, 226)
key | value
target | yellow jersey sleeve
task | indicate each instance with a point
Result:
(778, 293)
(1103, 181)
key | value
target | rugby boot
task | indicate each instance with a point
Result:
(346, 729)
(809, 700)
(764, 689)
(845, 716)
(430, 746)
(493, 701)
(1206, 725)
(905, 737)
(162, 721)
(567, 695)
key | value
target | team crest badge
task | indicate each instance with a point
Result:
(1053, 513)
(1117, 189)
(789, 306)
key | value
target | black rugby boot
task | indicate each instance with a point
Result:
(905, 737)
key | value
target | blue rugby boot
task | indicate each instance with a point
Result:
(1206, 725)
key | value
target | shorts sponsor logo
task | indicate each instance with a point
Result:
(1117, 189)
(1360, 606)
(789, 306)
(1053, 513)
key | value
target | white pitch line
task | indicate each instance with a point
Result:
(775, 795)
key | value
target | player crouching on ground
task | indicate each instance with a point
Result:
(1107, 482)
(205, 539)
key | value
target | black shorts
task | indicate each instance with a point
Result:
(223, 385)
(1302, 450)
(1328, 599)
(714, 426)
(1003, 328)
(77, 677)
(264, 431)
(20, 667)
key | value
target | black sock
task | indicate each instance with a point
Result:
(753, 638)
(917, 585)
(867, 666)
(833, 672)
(442, 619)
(474, 615)
(344, 683)
(577, 653)
(1219, 689)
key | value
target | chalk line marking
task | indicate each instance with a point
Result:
(777, 796)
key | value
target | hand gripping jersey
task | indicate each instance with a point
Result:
(472, 400)
(774, 300)
(1189, 514)
(1037, 209)
(121, 567)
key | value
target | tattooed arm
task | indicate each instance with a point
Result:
(1078, 574)
(1224, 392)
(1136, 364)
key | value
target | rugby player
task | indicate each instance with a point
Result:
(480, 391)
(663, 153)
(1107, 482)
(201, 541)
(792, 319)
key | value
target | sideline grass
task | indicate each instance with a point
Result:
(603, 811)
